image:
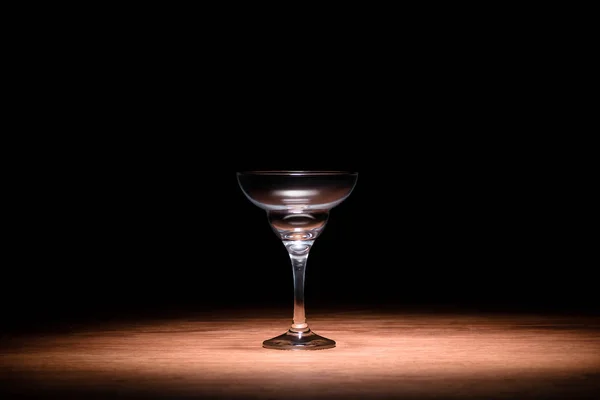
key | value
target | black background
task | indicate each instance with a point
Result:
(471, 192)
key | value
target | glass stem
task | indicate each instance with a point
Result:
(298, 251)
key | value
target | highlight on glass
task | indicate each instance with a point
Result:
(298, 204)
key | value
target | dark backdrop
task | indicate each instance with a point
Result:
(473, 188)
(108, 233)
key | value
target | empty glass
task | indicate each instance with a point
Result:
(297, 205)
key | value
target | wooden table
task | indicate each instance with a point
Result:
(381, 355)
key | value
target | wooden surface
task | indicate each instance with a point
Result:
(379, 355)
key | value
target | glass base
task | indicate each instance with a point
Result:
(299, 341)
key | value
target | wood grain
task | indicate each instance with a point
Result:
(379, 355)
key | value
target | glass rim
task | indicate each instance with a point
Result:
(297, 173)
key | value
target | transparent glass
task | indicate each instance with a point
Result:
(297, 205)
